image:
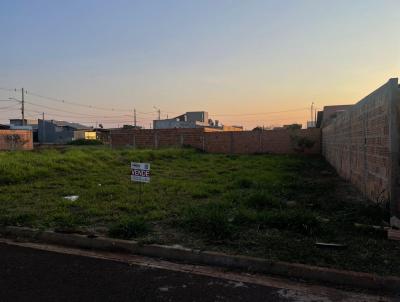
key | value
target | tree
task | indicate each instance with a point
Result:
(292, 126)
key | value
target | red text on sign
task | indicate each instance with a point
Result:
(144, 173)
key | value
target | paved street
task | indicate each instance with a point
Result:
(28, 274)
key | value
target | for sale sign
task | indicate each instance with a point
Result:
(140, 172)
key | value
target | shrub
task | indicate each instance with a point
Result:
(211, 219)
(128, 228)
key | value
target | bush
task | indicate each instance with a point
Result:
(128, 228)
(211, 219)
(301, 143)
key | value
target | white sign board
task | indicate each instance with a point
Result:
(140, 172)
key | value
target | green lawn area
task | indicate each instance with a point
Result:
(269, 206)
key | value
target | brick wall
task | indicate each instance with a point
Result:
(16, 140)
(269, 141)
(362, 144)
(235, 142)
(156, 138)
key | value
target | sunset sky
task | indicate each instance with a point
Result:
(239, 60)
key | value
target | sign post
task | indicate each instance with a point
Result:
(140, 172)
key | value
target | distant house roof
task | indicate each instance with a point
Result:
(4, 126)
(18, 122)
(75, 126)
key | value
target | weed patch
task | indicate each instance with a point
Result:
(212, 220)
(300, 221)
(262, 200)
(128, 228)
(244, 183)
(18, 219)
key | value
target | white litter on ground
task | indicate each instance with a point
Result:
(71, 197)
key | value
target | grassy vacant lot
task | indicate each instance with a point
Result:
(268, 206)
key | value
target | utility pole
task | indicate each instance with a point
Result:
(159, 112)
(23, 107)
(315, 116)
(312, 111)
(43, 128)
(134, 117)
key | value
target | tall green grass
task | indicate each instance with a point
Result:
(272, 206)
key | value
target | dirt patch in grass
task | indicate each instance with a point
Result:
(270, 206)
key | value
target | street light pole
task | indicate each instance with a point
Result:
(159, 112)
(23, 107)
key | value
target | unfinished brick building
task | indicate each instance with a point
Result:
(362, 143)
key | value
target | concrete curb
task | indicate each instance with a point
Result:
(257, 265)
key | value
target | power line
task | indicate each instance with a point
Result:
(12, 106)
(8, 89)
(124, 119)
(85, 106)
(78, 117)
(260, 113)
(75, 113)
(78, 104)
(247, 114)
(266, 120)
(151, 112)
(83, 115)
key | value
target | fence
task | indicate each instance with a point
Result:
(362, 143)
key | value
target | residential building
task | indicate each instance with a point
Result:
(187, 120)
(29, 124)
(58, 132)
(194, 119)
(93, 134)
